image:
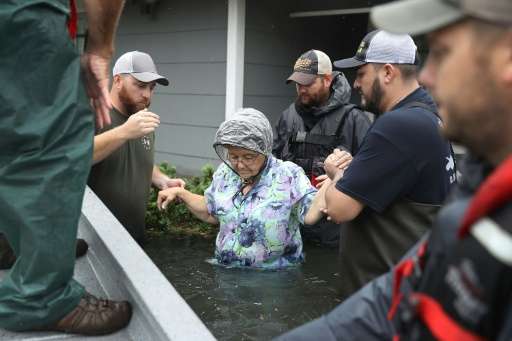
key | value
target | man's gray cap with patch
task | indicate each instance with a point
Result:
(422, 16)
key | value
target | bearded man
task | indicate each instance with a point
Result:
(124, 170)
(402, 173)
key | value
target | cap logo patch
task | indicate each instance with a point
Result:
(302, 64)
(361, 47)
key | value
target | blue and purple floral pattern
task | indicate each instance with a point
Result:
(260, 229)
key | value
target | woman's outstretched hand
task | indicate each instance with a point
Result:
(167, 196)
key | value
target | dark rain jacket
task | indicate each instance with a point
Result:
(459, 289)
(307, 137)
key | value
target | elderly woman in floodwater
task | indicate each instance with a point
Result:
(258, 201)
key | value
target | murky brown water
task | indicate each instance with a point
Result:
(240, 304)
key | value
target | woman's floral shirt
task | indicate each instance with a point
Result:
(260, 229)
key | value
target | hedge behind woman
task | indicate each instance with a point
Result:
(258, 200)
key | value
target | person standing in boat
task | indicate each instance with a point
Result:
(46, 131)
(258, 200)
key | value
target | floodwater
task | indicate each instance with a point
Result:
(243, 304)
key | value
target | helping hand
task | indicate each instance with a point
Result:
(326, 213)
(173, 183)
(320, 180)
(95, 72)
(338, 160)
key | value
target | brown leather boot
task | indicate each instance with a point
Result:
(93, 316)
(7, 257)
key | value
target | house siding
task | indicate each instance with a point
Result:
(187, 40)
(270, 48)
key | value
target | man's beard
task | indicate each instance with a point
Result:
(130, 106)
(315, 101)
(372, 104)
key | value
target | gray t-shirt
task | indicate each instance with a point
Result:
(123, 179)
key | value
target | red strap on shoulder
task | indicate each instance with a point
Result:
(402, 270)
(495, 190)
(72, 20)
(440, 324)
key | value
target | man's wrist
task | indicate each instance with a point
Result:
(99, 46)
(165, 180)
(338, 175)
(162, 181)
(121, 133)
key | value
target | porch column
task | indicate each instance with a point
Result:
(235, 57)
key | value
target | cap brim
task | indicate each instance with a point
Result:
(301, 78)
(414, 16)
(147, 77)
(348, 63)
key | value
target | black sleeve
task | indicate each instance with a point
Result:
(506, 332)
(355, 128)
(379, 173)
(363, 316)
(280, 138)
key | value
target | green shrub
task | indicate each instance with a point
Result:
(177, 219)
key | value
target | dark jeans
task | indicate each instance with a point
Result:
(324, 233)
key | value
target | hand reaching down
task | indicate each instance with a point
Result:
(95, 72)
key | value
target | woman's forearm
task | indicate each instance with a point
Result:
(197, 205)
(315, 213)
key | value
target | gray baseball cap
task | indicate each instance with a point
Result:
(140, 65)
(421, 16)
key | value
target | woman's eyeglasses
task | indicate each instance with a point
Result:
(247, 160)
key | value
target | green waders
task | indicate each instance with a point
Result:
(46, 136)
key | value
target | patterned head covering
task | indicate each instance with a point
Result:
(249, 129)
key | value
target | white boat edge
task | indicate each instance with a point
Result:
(124, 271)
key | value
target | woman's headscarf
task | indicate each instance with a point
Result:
(249, 129)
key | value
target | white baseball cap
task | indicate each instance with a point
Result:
(382, 47)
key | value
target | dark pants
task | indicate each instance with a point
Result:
(324, 232)
(46, 135)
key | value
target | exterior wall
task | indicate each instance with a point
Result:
(269, 50)
(187, 40)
